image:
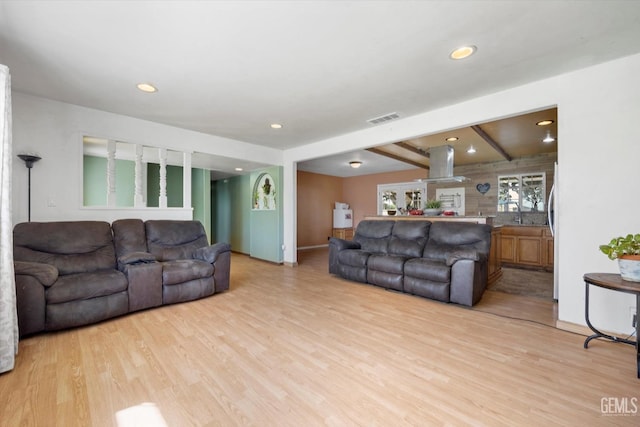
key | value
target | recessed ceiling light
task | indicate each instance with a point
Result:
(471, 150)
(451, 139)
(462, 52)
(355, 164)
(147, 87)
(238, 169)
(544, 122)
(276, 126)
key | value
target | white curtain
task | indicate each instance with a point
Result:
(8, 315)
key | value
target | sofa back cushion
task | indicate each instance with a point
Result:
(170, 240)
(448, 237)
(72, 247)
(129, 236)
(408, 238)
(373, 235)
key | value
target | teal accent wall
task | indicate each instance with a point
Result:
(231, 210)
(256, 232)
(201, 198)
(174, 185)
(267, 224)
(94, 182)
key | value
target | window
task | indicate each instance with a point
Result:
(401, 197)
(524, 193)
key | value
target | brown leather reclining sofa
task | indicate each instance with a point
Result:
(76, 273)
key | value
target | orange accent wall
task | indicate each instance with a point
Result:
(361, 191)
(317, 195)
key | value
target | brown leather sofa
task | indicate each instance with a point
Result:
(76, 273)
(444, 261)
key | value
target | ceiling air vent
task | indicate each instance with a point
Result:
(385, 118)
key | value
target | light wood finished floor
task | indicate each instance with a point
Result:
(297, 347)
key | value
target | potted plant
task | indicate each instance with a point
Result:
(627, 251)
(432, 207)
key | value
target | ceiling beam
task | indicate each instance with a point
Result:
(412, 148)
(398, 158)
(491, 142)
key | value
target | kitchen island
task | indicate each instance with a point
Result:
(494, 265)
(472, 219)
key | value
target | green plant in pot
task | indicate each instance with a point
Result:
(432, 207)
(626, 249)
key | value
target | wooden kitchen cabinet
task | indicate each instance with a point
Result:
(494, 267)
(343, 233)
(547, 241)
(527, 246)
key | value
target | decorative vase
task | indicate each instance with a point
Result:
(629, 266)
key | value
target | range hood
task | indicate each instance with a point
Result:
(441, 166)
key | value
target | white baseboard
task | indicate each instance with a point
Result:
(302, 248)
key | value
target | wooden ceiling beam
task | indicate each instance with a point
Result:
(400, 159)
(412, 148)
(491, 142)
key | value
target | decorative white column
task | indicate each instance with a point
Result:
(111, 173)
(186, 180)
(162, 200)
(138, 199)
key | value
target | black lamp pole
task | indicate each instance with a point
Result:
(29, 160)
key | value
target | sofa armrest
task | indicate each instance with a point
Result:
(134, 258)
(46, 274)
(211, 253)
(468, 281)
(468, 254)
(337, 245)
(341, 244)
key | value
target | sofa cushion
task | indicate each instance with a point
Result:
(170, 240)
(71, 247)
(385, 270)
(450, 239)
(373, 236)
(439, 291)
(129, 236)
(408, 238)
(387, 263)
(353, 257)
(427, 269)
(81, 286)
(180, 271)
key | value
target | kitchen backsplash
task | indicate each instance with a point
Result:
(528, 218)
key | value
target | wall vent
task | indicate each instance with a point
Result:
(385, 118)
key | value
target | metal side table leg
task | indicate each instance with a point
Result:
(597, 334)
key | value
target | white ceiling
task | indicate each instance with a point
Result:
(321, 68)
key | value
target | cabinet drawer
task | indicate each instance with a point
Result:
(522, 231)
(343, 233)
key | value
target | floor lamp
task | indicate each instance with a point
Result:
(29, 160)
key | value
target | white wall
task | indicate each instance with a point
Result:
(54, 130)
(598, 156)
